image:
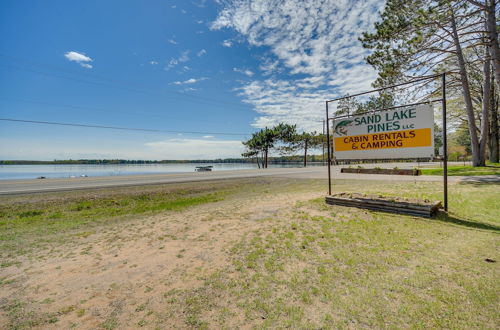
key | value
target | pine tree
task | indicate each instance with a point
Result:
(414, 38)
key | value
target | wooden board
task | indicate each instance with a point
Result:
(384, 205)
(389, 171)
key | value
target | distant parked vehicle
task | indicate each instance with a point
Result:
(41, 177)
(203, 168)
(83, 176)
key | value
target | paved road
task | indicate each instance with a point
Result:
(12, 187)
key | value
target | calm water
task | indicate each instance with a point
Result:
(65, 171)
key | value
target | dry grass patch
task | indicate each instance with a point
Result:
(270, 254)
(320, 266)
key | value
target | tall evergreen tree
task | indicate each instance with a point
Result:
(415, 38)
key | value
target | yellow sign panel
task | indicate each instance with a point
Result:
(421, 137)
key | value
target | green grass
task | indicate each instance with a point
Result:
(457, 170)
(310, 265)
(50, 218)
(334, 267)
(40, 219)
(31, 222)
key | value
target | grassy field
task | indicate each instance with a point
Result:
(458, 170)
(38, 220)
(266, 253)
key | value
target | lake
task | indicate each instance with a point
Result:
(8, 172)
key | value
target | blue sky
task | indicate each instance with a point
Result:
(185, 66)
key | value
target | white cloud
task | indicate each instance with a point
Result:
(316, 39)
(200, 3)
(269, 66)
(172, 41)
(118, 145)
(208, 136)
(206, 148)
(201, 53)
(79, 58)
(153, 62)
(184, 56)
(189, 81)
(173, 62)
(244, 71)
(227, 43)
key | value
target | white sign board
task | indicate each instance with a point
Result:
(399, 133)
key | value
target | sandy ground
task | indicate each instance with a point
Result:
(112, 274)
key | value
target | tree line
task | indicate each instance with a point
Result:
(118, 161)
(286, 140)
(272, 160)
(460, 37)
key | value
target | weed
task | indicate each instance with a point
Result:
(29, 214)
(6, 264)
(110, 323)
(140, 308)
(66, 310)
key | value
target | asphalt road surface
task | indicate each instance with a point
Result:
(13, 187)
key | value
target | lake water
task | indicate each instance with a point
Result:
(64, 171)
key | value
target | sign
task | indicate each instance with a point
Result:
(399, 133)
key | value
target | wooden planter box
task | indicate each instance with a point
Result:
(382, 171)
(386, 204)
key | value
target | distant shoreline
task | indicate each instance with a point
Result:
(128, 162)
(111, 162)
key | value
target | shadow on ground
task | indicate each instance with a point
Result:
(481, 180)
(444, 217)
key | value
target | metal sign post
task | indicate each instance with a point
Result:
(323, 145)
(445, 144)
(443, 102)
(329, 153)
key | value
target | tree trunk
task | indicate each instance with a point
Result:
(265, 158)
(305, 153)
(493, 140)
(485, 114)
(466, 93)
(491, 27)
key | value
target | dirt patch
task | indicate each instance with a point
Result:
(120, 275)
